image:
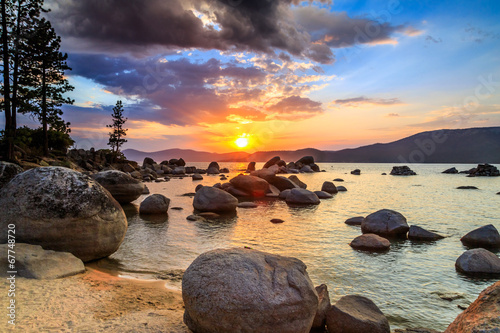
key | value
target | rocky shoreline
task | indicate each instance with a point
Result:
(63, 196)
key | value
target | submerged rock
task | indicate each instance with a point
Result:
(356, 314)
(33, 262)
(355, 220)
(341, 189)
(247, 205)
(482, 316)
(211, 199)
(62, 210)
(385, 222)
(301, 196)
(478, 262)
(122, 187)
(154, 204)
(239, 288)
(418, 233)
(370, 242)
(485, 236)
(467, 188)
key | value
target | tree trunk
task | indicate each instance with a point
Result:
(15, 80)
(6, 85)
(44, 113)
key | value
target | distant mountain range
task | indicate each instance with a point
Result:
(472, 145)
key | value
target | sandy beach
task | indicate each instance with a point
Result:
(94, 301)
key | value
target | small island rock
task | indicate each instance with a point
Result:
(211, 199)
(329, 187)
(485, 236)
(370, 242)
(154, 204)
(355, 220)
(301, 196)
(385, 222)
(478, 262)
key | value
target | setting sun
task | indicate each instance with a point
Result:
(241, 142)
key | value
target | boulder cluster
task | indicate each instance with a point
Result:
(245, 290)
(402, 171)
(484, 170)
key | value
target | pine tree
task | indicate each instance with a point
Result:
(116, 136)
(47, 67)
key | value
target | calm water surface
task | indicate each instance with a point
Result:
(404, 282)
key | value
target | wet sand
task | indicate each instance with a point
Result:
(94, 301)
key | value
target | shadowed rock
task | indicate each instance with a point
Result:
(418, 233)
(301, 196)
(355, 220)
(254, 186)
(236, 290)
(282, 183)
(297, 181)
(62, 210)
(8, 171)
(271, 162)
(122, 187)
(323, 307)
(154, 204)
(478, 262)
(370, 242)
(251, 167)
(341, 189)
(356, 314)
(33, 262)
(211, 199)
(451, 170)
(385, 222)
(485, 236)
(323, 195)
(329, 187)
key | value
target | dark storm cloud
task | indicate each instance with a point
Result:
(144, 27)
(339, 30)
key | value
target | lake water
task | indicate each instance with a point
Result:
(404, 282)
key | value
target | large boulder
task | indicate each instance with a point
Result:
(148, 161)
(329, 187)
(297, 181)
(301, 196)
(417, 233)
(154, 204)
(485, 170)
(211, 199)
(282, 183)
(485, 236)
(356, 314)
(264, 173)
(122, 187)
(214, 165)
(244, 290)
(33, 262)
(478, 262)
(62, 210)
(402, 171)
(370, 242)
(385, 222)
(482, 316)
(306, 160)
(8, 171)
(271, 162)
(254, 186)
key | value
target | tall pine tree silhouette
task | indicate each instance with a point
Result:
(117, 134)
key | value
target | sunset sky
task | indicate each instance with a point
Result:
(284, 74)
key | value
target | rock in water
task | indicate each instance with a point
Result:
(254, 186)
(244, 290)
(485, 236)
(370, 242)
(355, 220)
(418, 233)
(402, 171)
(271, 162)
(8, 171)
(251, 167)
(478, 262)
(297, 181)
(301, 196)
(211, 199)
(385, 222)
(356, 314)
(482, 316)
(323, 195)
(329, 187)
(356, 172)
(306, 160)
(323, 307)
(281, 183)
(33, 262)
(451, 170)
(197, 176)
(122, 187)
(154, 204)
(62, 210)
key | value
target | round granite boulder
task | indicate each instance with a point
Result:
(62, 210)
(211, 199)
(385, 222)
(122, 187)
(301, 196)
(485, 236)
(154, 204)
(244, 290)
